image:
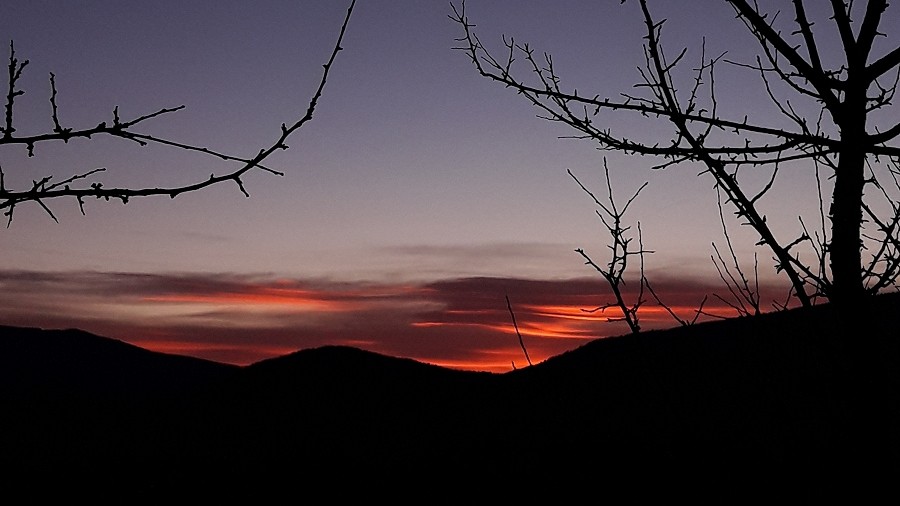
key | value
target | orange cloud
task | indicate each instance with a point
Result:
(297, 299)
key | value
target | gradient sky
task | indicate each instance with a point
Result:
(418, 197)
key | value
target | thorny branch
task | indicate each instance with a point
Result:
(620, 252)
(724, 145)
(746, 296)
(45, 189)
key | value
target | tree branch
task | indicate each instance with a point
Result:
(44, 190)
(883, 65)
(823, 84)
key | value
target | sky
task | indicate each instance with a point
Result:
(415, 202)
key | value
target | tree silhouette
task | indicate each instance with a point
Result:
(621, 251)
(77, 187)
(840, 122)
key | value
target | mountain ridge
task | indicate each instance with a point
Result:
(798, 392)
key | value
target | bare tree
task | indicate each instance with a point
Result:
(85, 185)
(859, 254)
(620, 252)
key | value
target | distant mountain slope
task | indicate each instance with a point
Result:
(799, 393)
(75, 362)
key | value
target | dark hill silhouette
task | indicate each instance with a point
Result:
(73, 362)
(809, 392)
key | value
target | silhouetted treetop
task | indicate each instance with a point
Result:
(830, 104)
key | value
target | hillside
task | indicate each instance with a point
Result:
(798, 393)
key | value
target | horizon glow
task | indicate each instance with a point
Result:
(460, 323)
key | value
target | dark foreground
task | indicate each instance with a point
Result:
(799, 394)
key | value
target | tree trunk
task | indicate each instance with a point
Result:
(846, 204)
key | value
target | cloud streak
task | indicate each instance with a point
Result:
(241, 319)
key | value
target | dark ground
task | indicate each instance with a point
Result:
(798, 395)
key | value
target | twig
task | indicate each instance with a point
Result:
(516, 325)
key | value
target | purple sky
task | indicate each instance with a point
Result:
(414, 170)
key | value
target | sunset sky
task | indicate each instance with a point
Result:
(418, 198)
